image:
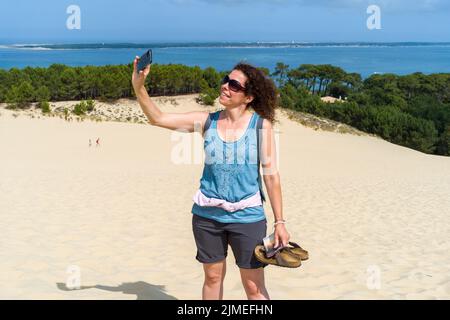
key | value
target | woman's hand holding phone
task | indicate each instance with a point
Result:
(138, 79)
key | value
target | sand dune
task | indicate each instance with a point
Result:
(373, 215)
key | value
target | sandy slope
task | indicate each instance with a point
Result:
(374, 215)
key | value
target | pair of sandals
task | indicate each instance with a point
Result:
(290, 256)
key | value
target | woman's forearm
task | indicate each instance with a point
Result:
(151, 111)
(273, 187)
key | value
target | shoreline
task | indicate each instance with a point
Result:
(127, 110)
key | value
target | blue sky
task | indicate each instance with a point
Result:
(25, 21)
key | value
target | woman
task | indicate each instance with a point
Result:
(220, 216)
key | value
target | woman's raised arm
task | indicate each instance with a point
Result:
(173, 121)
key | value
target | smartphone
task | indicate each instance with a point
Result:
(269, 245)
(144, 60)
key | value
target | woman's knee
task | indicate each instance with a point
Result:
(254, 287)
(214, 272)
(253, 281)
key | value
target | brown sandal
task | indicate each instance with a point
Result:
(302, 253)
(283, 258)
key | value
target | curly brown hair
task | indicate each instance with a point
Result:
(262, 88)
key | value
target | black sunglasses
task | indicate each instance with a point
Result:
(234, 85)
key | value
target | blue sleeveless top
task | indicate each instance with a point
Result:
(230, 173)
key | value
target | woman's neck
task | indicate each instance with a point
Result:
(234, 115)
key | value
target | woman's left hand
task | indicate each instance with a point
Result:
(281, 235)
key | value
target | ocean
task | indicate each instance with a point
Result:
(363, 58)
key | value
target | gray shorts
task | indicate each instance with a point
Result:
(212, 239)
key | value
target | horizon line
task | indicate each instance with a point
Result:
(164, 44)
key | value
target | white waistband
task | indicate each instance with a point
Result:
(203, 201)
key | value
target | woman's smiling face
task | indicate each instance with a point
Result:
(231, 98)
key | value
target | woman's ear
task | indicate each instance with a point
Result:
(249, 99)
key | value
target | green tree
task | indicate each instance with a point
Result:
(42, 94)
(20, 96)
(353, 80)
(264, 70)
(212, 77)
(280, 72)
(80, 108)
(90, 104)
(45, 106)
(68, 89)
(443, 144)
(208, 95)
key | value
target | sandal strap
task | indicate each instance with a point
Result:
(295, 245)
(279, 257)
(280, 260)
(290, 251)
